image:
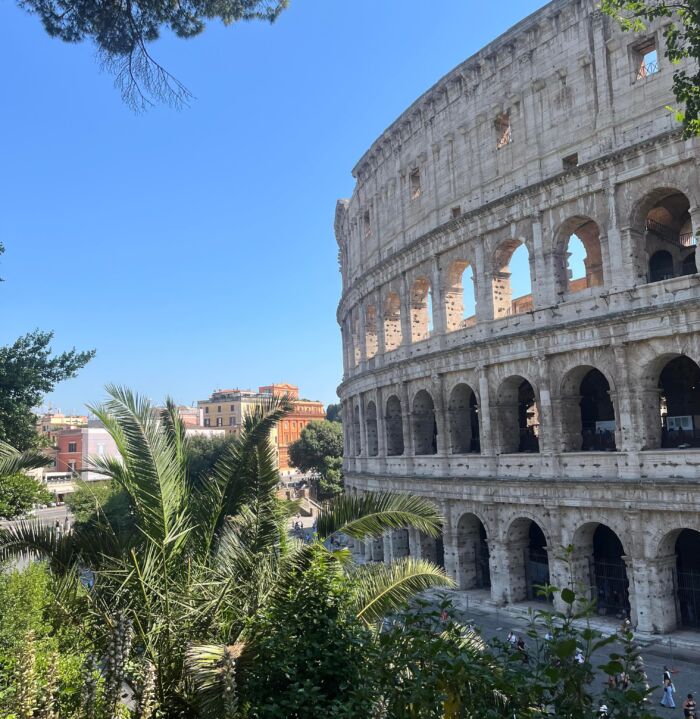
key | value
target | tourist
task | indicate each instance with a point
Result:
(689, 707)
(669, 690)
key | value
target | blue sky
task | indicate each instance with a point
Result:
(194, 249)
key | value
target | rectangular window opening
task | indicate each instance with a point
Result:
(456, 211)
(646, 59)
(366, 224)
(503, 132)
(72, 446)
(570, 161)
(414, 180)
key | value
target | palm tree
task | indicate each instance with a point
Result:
(203, 558)
(14, 462)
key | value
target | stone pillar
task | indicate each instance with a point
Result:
(406, 421)
(400, 543)
(388, 549)
(547, 433)
(695, 222)
(439, 308)
(617, 274)
(346, 413)
(486, 428)
(406, 335)
(413, 543)
(482, 285)
(655, 593)
(648, 418)
(363, 426)
(508, 577)
(377, 546)
(542, 281)
(626, 432)
(559, 576)
(451, 549)
(636, 267)
(381, 345)
(443, 427)
(381, 427)
(631, 579)
(362, 336)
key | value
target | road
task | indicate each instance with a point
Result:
(685, 665)
(47, 516)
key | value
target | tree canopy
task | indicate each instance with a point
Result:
(333, 413)
(319, 449)
(682, 41)
(122, 33)
(27, 372)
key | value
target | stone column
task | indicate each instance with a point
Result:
(559, 576)
(381, 346)
(362, 332)
(695, 222)
(482, 285)
(635, 261)
(547, 436)
(406, 336)
(439, 309)
(655, 593)
(346, 413)
(406, 418)
(617, 272)
(451, 549)
(542, 281)
(388, 549)
(363, 426)
(486, 428)
(381, 428)
(413, 543)
(443, 428)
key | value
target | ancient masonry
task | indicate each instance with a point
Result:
(547, 408)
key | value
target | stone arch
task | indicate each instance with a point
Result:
(424, 424)
(371, 334)
(394, 427)
(460, 295)
(518, 416)
(356, 436)
(421, 310)
(371, 429)
(463, 412)
(682, 547)
(660, 223)
(599, 566)
(670, 402)
(586, 231)
(504, 304)
(529, 559)
(393, 336)
(587, 411)
(473, 571)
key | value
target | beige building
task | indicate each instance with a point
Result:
(568, 415)
(226, 409)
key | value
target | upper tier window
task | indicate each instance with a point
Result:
(646, 59)
(503, 132)
(414, 184)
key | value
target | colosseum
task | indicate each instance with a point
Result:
(554, 401)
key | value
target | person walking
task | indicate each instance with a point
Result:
(689, 708)
(669, 690)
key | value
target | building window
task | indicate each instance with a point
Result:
(71, 466)
(232, 421)
(218, 408)
(233, 408)
(503, 133)
(645, 58)
(72, 446)
(367, 224)
(570, 161)
(219, 421)
(206, 410)
(207, 422)
(414, 183)
(456, 212)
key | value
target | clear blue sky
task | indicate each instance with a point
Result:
(194, 250)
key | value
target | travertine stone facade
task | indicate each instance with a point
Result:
(568, 415)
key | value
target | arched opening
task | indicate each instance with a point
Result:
(511, 286)
(371, 428)
(394, 427)
(460, 296)
(668, 234)
(424, 424)
(464, 420)
(688, 578)
(588, 415)
(473, 553)
(679, 403)
(356, 431)
(371, 331)
(610, 573)
(518, 416)
(421, 310)
(599, 564)
(660, 266)
(530, 567)
(392, 322)
(581, 263)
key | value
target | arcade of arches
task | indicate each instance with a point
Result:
(584, 416)
(512, 564)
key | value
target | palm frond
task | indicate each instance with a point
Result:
(34, 539)
(382, 589)
(204, 664)
(373, 514)
(14, 462)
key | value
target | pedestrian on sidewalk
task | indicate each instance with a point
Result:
(689, 708)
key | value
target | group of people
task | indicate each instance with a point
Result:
(668, 701)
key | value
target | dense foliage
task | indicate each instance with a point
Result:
(333, 413)
(19, 493)
(682, 35)
(319, 449)
(27, 372)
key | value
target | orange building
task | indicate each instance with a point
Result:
(227, 408)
